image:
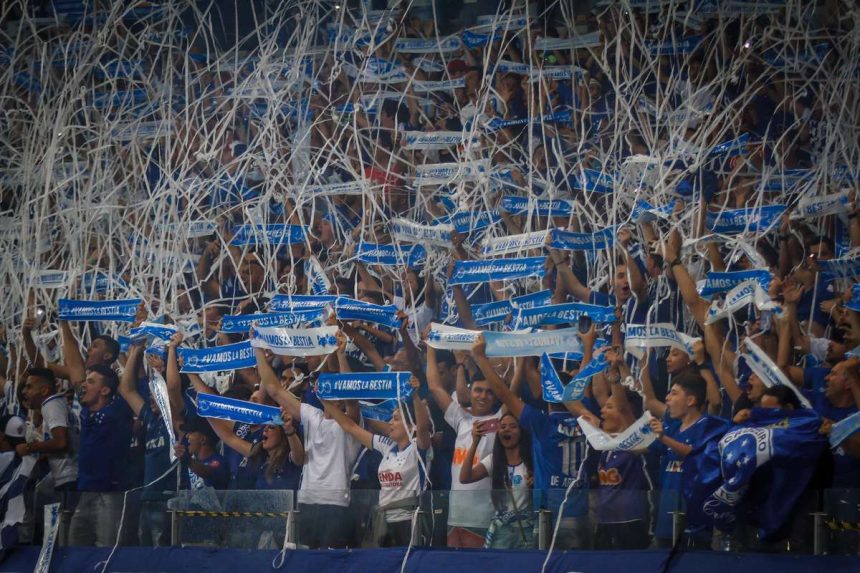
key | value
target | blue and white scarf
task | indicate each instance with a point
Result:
(531, 344)
(409, 232)
(444, 337)
(541, 207)
(571, 241)
(364, 386)
(241, 411)
(283, 341)
(469, 272)
(497, 246)
(716, 282)
(563, 314)
(96, 310)
(241, 323)
(267, 235)
(218, 358)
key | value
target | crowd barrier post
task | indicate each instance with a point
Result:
(175, 529)
(544, 530)
(818, 533)
(677, 526)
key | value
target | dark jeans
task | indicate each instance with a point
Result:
(397, 534)
(629, 535)
(323, 526)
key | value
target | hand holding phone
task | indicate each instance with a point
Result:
(490, 426)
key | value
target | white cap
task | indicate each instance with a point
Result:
(15, 427)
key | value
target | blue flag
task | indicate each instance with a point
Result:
(553, 389)
(575, 390)
(381, 411)
(491, 312)
(784, 445)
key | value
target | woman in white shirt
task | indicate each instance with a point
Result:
(512, 472)
(402, 471)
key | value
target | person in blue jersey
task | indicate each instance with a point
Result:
(834, 402)
(272, 455)
(243, 472)
(402, 471)
(680, 426)
(106, 422)
(623, 512)
(154, 524)
(197, 450)
(279, 452)
(558, 450)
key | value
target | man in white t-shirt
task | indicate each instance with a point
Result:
(55, 439)
(470, 506)
(330, 453)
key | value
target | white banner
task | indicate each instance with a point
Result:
(746, 293)
(436, 139)
(158, 387)
(444, 337)
(444, 173)
(49, 538)
(514, 244)
(409, 232)
(640, 337)
(296, 341)
(768, 372)
(637, 437)
(810, 206)
(50, 279)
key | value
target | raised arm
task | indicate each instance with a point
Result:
(715, 399)
(365, 346)
(72, 359)
(652, 403)
(224, 430)
(567, 277)
(273, 387)
(349, 425)
(500, 389)
(638, 284)
(464, 310)
(31, 351)
(686, 285)
(434, 381)
(173, 378)
(128, 380)
(423, 424)
(716, 347)
(471, 473)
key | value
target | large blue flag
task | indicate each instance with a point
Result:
(780, 448)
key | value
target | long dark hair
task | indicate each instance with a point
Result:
(500, 496)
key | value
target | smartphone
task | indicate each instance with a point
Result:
(40, 316)
(584, 323)
(490, 426)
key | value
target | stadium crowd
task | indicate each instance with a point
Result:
(670, 190)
